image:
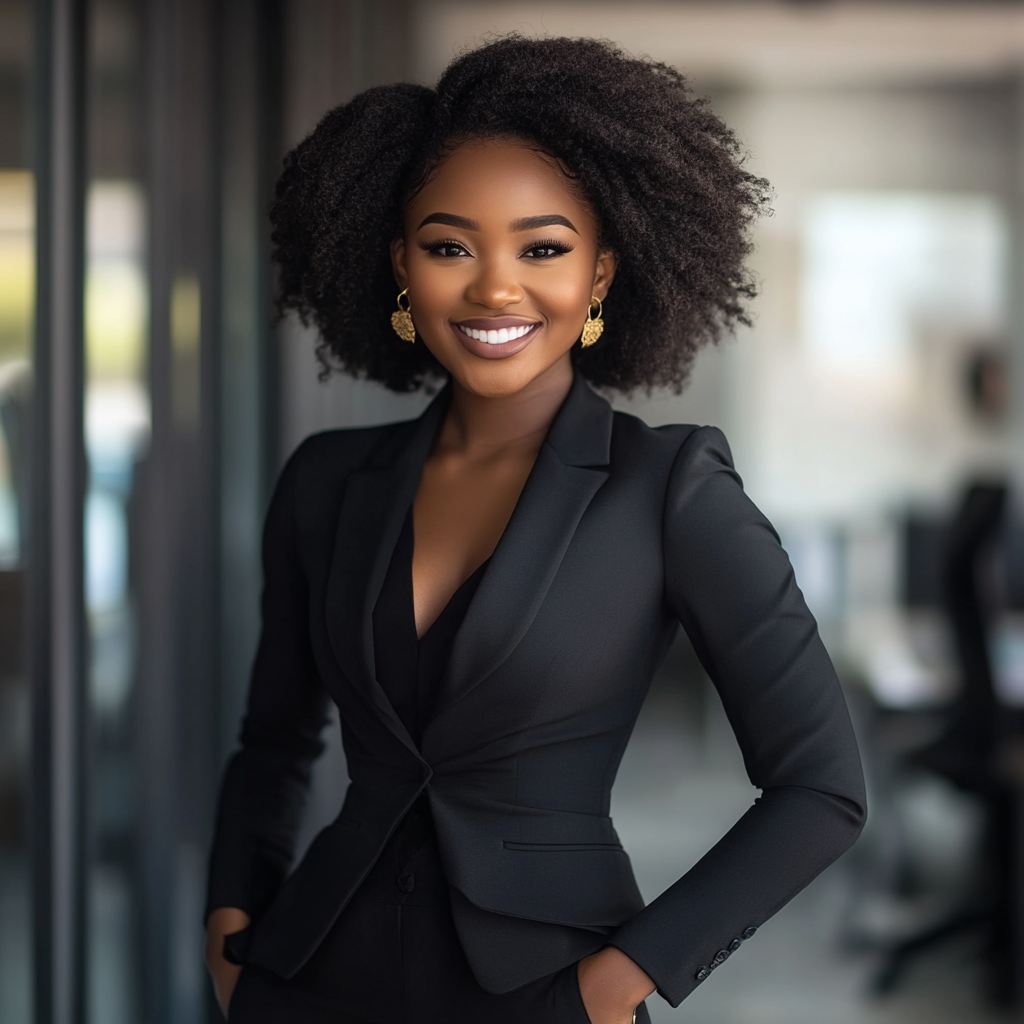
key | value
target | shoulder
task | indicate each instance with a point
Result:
(333, 454)
(690, 467)
(683, 446)
(314, 476)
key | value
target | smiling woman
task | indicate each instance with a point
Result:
(523, 259)
(486, 592)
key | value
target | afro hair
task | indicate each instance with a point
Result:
(662, 173)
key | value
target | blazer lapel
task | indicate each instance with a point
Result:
(373, 508)
(566, 476)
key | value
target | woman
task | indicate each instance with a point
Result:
(486, 592)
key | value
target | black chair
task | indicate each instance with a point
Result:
(966, 751)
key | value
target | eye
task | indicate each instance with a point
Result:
(547, 249)
(446, 248)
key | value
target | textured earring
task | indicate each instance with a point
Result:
(401, 319)
(594, 326)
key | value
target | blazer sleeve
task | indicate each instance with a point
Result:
(266, 782)
(732, 587)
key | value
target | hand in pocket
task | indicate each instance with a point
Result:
(223, 922)
(612, 986)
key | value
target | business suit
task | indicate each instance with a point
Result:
(621, 533)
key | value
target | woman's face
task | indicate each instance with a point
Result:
(500, 259)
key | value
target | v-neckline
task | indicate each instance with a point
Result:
(408, 538)
(471, 578)
(410, 667)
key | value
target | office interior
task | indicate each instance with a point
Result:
(148, 398)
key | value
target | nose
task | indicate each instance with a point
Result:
(494, 285)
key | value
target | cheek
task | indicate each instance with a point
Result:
(434, 289)
(566, 290)
(565, 296)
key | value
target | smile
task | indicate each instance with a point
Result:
(499, 337)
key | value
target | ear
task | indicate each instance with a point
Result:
(398, 263)
(604, 274)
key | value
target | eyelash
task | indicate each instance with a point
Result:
(434, 248)
(558, 248)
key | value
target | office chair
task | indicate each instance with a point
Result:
(965, 751)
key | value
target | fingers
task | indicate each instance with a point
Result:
(225, 978)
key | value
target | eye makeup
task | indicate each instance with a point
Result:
(559, 248)
(435, 247)
(555, 246)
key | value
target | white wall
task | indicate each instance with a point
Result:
(790, 432)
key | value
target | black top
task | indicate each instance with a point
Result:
(408, 669)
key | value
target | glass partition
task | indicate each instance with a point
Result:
(17, 298)
(16, 304)
(16, 301)
(117, 432)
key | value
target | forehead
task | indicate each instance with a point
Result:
(492, 180)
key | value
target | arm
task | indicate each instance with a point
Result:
(731, 585)
(265, 784)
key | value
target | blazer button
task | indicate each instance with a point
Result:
(735, 944)
(407, 882)
(748, 933)
(702, 974)
(720, 957)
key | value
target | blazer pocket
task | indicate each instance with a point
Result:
(560, 847)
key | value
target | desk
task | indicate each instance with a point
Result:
(901, 657)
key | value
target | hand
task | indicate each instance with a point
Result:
(223, 921)
(612, 986)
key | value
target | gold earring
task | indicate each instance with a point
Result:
(401, 319)
(594, 326)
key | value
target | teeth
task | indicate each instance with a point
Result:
(498, 337)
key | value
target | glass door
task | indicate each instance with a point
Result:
(117, 433)
(17, 296)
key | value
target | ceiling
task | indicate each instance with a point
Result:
(765, 44)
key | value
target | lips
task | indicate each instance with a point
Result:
(497, 330)
(496, 337)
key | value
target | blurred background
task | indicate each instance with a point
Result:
(876, 412)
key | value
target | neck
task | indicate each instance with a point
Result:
(481, 424)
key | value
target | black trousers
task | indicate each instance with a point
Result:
(394, 957)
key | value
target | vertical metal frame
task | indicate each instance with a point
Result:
(57, 618)
(152, 712)
(249, 162)
(270, 25)
(177, 696)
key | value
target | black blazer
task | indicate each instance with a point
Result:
(621, 533)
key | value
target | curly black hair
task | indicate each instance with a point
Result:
(662, 173)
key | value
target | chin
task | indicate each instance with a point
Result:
(498, 378)
(494, 381)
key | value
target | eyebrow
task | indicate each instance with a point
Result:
(453, 220)
(543, 221)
